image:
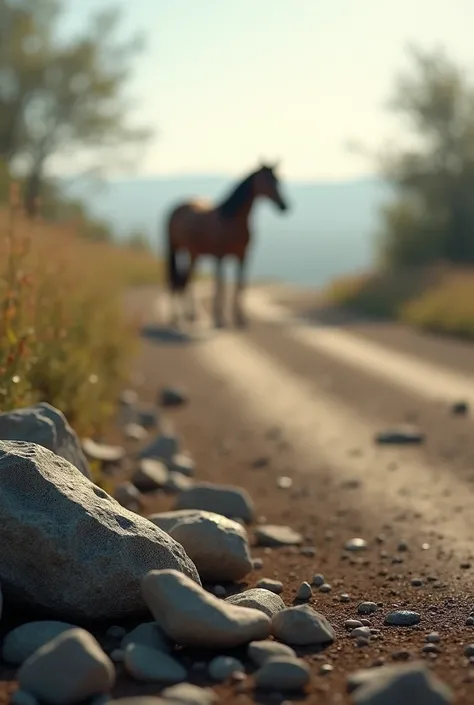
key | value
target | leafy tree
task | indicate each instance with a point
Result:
(432, 215)
(60, 99)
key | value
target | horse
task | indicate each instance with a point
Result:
(198, 228)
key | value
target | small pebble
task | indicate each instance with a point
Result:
(469, 622)
(309, 551)
(430, 649)
(117, 655)
(220, 591)
(367, 608)
(345, 597)
(353, 623)
(257, 563)
(275, 586)
(116, 632)
(362, 641)
(355, 544)
(325, 587)
(326, 668)
(223, 667)
(304, 592)
(433, 638)
(417, 582)
(360, 632)
(261, 651)
(284, 483)
(469, 650)
(152, 666)
(402, 618)
(318, 580)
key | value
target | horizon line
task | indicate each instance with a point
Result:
(178, 176)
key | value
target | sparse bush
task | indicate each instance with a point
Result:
(63, 336)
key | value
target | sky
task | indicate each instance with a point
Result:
(229, 82)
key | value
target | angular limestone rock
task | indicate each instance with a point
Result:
(67, 546)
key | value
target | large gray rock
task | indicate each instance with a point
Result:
(217, 546)
(67, 546)
(232, 502)
(48, 427)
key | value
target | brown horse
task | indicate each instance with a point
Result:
(201, 229)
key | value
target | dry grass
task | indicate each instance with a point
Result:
(439, 299)
(63, 335)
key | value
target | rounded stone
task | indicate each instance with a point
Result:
(193, 617)
(283, 673)
(258, 599)
(48, 675)
(217, 546)
(402, 618)
(223, 667)
(302, 626)
(261, 651)
(23, 641)
(152, 666)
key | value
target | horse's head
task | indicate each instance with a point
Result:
(266, 184)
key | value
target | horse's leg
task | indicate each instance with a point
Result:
(218, 296)
(190, 300)
(239, 317)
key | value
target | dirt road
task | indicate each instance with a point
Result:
(304, 398)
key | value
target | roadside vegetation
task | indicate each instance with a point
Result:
(424, 268)
(64, 338)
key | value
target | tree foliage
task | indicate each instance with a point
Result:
(432, 215)
(62, 99)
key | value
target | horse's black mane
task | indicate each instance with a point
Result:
(237, 198)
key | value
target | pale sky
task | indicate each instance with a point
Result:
(229, 81)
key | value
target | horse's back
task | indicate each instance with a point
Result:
(191, 220)
(197, 227)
